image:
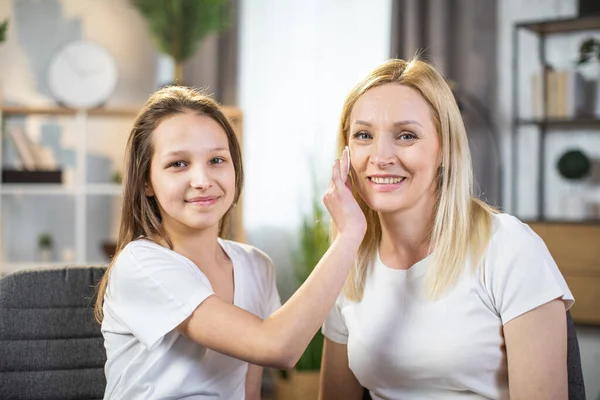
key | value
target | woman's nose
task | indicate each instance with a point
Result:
(382, 153)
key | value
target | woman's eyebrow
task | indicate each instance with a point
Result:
(398, 123)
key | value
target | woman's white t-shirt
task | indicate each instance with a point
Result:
(402, 345)
(151, 290)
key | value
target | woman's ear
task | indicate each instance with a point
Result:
(148, 190)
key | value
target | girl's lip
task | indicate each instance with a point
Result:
(202, 199)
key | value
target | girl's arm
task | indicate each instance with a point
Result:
(280, 340)
(536, 349)
(337, 380)
(253, 382)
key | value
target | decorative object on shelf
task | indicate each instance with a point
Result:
(588, 50)
(45, 247)
(3, 30)
(573, 165)
(109, 248)
(588, 8)
(116, 177)
(177, 27)
(589, 65)
(82, 75)
(24, 176)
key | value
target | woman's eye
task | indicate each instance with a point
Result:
(216, 160)
(362, 135)
(178, 164)
(407, 136)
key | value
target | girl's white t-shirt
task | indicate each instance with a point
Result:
(403, 345)
(151, 290)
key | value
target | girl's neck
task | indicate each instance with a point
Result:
(200, 246)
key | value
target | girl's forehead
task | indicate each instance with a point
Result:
(189, 131)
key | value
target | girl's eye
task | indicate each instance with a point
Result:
(216, 160)
(362, 135)
(178, 164)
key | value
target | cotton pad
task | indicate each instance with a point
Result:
(348, 159)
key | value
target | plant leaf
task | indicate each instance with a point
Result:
(177, 27)
(3, 30)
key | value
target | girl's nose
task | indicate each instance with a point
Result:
(200, 179)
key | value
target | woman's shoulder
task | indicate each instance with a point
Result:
(513, 239)
(508, 229)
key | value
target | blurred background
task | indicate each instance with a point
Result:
(74, 73)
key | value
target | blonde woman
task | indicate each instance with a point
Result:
(448, 299)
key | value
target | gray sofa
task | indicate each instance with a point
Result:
(51, 347)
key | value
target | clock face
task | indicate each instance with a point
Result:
(82, 75)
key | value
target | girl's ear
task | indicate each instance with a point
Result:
(148, 190)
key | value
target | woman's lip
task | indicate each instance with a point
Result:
(385, 187)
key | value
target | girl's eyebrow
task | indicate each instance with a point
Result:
(398, 123)
(174, 153)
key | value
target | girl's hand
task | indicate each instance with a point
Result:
(341, 204)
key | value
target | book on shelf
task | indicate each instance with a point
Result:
(32, 155)
(568, 94)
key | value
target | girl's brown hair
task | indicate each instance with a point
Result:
(140, 216)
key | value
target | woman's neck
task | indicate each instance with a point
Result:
(406, 235)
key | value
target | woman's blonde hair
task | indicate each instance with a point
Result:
(140, 216)
(462, 223)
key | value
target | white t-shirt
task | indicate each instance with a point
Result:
(402, 345)
(151, 291)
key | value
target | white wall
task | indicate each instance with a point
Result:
(298, 61)
(561, 52)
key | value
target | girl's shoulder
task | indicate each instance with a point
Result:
(145, 252)
(248, 254)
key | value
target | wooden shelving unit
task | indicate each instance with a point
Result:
(542, 29)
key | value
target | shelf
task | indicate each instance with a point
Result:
(108, 189)
(561, 25)
(562, 123)
(232, 112)
(106, 112)
(35, 189)
(553, 221)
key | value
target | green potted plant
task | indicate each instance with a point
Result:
(589, 50)
(177, 27)
(313, 242)
(3, 30)
(45, 246)
(574, 166)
